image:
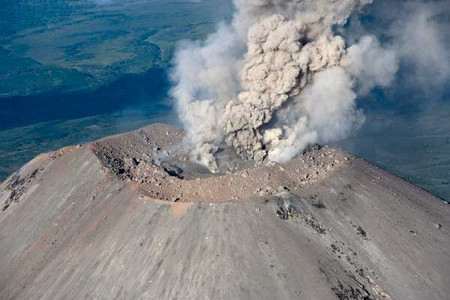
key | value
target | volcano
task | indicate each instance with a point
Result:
(133, 217)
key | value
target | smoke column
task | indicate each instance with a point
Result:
(276, 79)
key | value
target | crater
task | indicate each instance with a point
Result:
(157, 159)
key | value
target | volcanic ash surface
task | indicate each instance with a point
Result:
(132, 217)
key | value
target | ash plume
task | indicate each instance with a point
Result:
(276, 79)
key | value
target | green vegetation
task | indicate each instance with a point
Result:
(66, 45)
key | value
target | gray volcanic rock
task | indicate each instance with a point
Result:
(131, 217)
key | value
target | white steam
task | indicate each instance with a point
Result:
(277, 79)
(371, 64)
(419, 37)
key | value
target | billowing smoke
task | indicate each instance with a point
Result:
(277, 79)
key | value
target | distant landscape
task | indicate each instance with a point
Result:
(412, 145)
(75, 71)
(63, 46)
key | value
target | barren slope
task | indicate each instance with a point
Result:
(131, 217)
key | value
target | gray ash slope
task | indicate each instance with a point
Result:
(130, 217)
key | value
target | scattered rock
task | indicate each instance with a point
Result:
(18, 186)
(318, 205)
(312, 222)
(361, 232)
(286, 211)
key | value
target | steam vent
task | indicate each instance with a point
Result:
(132, 217)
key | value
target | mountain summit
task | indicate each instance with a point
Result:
(132, 217)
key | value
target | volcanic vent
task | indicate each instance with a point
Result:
(156, 160)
